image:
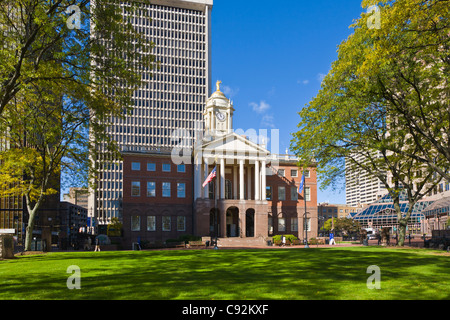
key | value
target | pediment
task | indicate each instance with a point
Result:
(233, 144)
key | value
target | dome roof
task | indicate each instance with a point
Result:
(218, 98)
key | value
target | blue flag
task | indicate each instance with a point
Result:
(302, 184)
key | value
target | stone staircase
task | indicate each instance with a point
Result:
(239, 242)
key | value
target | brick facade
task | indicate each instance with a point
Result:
(160, 217)
(149, 216)
(288, 215)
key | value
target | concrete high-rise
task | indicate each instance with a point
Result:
(361, 187)
(172, 97)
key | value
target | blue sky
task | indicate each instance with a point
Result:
(271, 55)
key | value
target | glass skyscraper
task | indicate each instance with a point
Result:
(171, 101)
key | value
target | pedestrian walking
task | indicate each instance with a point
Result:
(332, 242)
(97, 244)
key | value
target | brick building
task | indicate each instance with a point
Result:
(157, 198)
(286, 205)
(253, 195)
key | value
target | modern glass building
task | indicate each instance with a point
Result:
(381, 214)
(171, 100)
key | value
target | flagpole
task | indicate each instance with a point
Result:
(216, 222)
(216, 226)
(306, 221)
(305, 224)
(210, 181)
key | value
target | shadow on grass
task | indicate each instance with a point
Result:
(229, 275)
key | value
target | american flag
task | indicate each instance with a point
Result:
(211, 176)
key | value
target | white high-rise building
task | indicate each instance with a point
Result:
(173, 99)
(360, 187)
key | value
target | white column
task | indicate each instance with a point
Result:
(206, 169)
(222, 178)
(263, 180)
(249, 183)
(241, 180)
(257, 185)
(235, 182)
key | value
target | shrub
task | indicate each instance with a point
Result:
(289, 237)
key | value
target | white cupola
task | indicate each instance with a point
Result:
(218, 114)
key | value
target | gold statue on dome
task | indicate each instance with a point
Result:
(218, 83)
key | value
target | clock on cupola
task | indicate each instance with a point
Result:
(218, 113)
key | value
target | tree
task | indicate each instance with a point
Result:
(59, 87)
(410, 63)
(344, 225)
(114, 229)
(351, 125)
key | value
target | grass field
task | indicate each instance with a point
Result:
(292, 274)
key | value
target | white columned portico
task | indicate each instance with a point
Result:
(257, 186)
(241, 180)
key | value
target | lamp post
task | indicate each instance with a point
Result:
(306, 229)
(305, 225)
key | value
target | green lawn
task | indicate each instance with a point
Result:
(316, 273)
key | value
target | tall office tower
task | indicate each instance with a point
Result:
(172, 99)
(361, 187)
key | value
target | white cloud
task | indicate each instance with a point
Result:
(305, 82)
(261, 107)
(229, 92)
(320, 77)
(268, 121)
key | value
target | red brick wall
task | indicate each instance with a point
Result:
(288, 208)
(157, 206)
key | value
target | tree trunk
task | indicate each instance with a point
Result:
(29, 231)
(32, 210)
(402, 223)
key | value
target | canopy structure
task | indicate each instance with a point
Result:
(382, 213)
(438, 208)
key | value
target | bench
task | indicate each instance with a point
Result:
(176, 245)
(296, 242)
(193, 244)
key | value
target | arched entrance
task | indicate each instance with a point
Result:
(233, 222)
(214, 222)
(250, 223)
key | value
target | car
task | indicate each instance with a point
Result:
(371, 236)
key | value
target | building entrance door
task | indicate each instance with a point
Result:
(250, 223)
(233, 222)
